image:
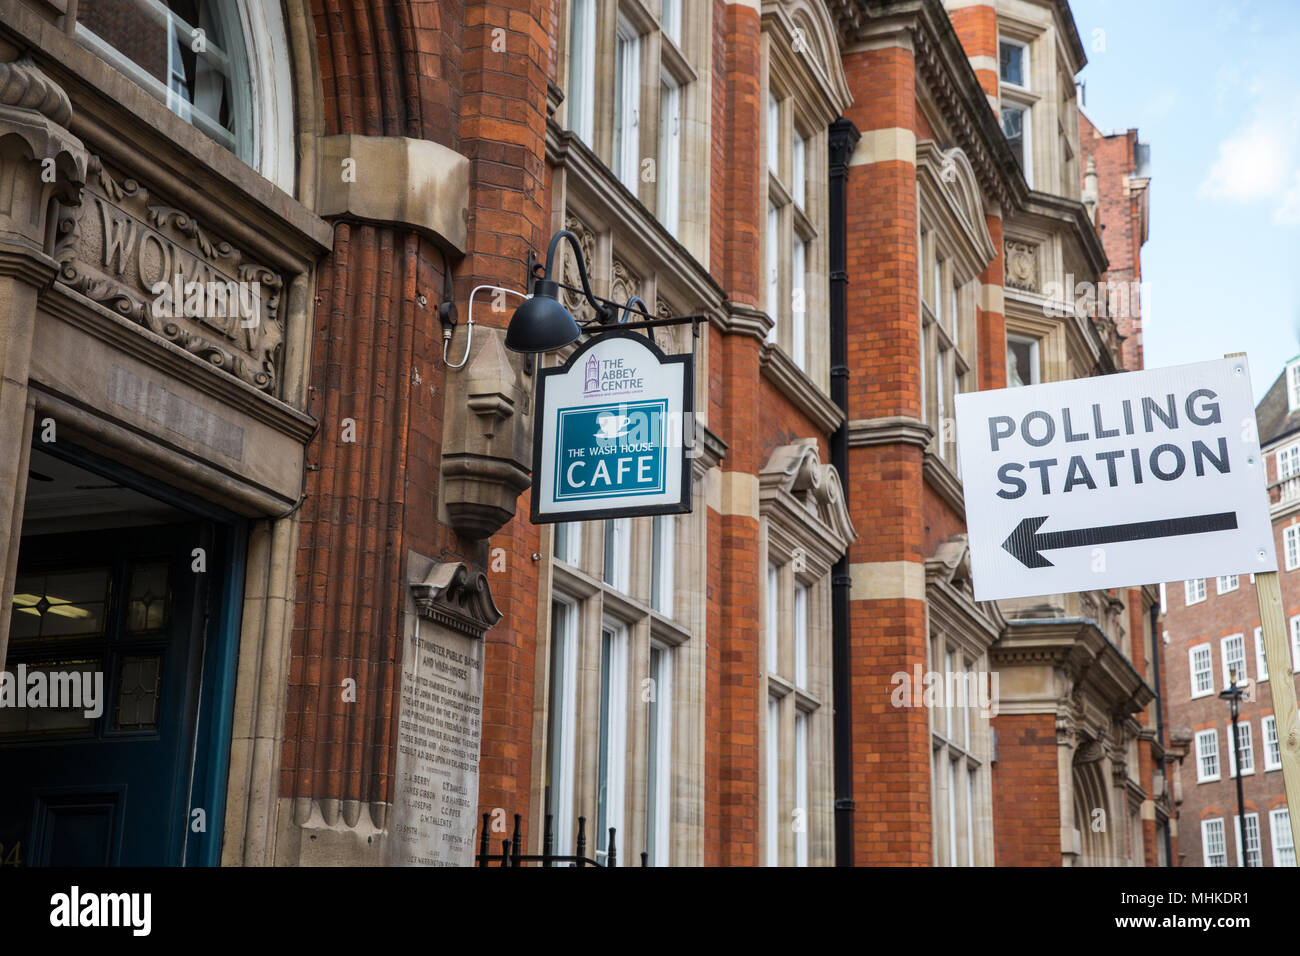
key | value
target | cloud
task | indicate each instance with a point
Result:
(1288, 213)
(1252, 164)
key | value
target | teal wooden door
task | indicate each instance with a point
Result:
(113, 788)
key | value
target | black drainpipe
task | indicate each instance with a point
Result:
(1156, 643)
(843, 137)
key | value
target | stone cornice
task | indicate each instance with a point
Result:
(1096, 666)
(794, 383)
(710, 450)
(944, 481)
(457, 598)
(737, 319)
(890, 430)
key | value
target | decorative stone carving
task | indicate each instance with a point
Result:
(456, 597)
(487, 438)
(158, 266)
(624, 283)
(39, 158)
(795, 488)
(1021, 265)
(575, 302)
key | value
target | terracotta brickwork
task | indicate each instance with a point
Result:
(1026, 804)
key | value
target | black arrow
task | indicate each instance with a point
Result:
(1025, 543)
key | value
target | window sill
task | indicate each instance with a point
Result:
(795, 384)
(940, 476)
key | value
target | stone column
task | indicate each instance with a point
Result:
(41, 163)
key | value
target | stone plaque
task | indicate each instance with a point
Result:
(435, 789)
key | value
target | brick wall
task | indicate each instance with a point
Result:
(1026, 791)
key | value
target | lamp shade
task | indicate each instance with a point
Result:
(541, 324)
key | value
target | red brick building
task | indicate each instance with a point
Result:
(875, 205)
(1212, 629)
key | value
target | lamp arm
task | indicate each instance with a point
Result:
(604, 312)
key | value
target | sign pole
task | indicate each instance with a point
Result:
(1277, 655)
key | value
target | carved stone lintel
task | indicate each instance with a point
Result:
(456, 597)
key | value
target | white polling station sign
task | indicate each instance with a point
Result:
(1114, 481)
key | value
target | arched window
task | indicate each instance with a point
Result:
(220, 65)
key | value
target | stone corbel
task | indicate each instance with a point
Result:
(457, 598)
(487, 438)
(39, 158)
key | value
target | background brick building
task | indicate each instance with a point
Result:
(1212, 627)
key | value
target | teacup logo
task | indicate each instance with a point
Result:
(612, 426)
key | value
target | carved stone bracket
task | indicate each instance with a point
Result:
(487, 433)
(39, 158)
(456, 597)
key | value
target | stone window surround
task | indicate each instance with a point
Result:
(965, 629)
(582, 587)
(1049, 92)
(797, 496)
(690, 67)
(946, 230)
(804, 113)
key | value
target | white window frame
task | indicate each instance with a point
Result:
(801, 720)
(1035, 369)
(1194, 591)
(799, 171)
(670, 153)
(627, 106)
(773, 135)
(1233, 641)
(563, 764)
(1268, 733)
(659, 759)
(1288, 461)
(1227, 583)
(581, 112)
(1207, 827)
(798, 302)
(612, 763)
(568, 542)
(1293, 386)
(800, 635)
(773, 269)
(1291, 546)
(1258, 859)
(1247, 749)
(664, 550)
(618, 554)
(773, 770)
(1203, 752)
(1295, 642)
(1026, 134)
(773, 613)
(1279, 831)
(1024, 63)
(1261, 661)
(1193, 671)
(670, 20)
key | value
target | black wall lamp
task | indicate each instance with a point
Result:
(543, 324)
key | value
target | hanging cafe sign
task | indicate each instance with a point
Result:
(614, 425)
